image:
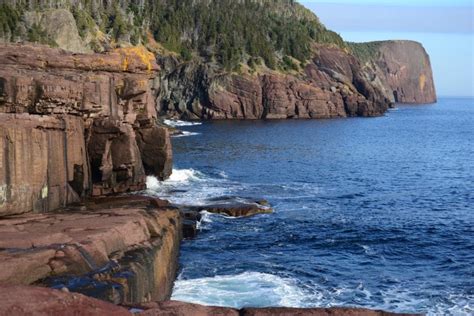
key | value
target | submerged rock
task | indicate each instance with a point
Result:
(237, 209)
(229, 206)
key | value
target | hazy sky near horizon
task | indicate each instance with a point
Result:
(445, 28)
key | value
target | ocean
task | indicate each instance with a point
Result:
(369, 212)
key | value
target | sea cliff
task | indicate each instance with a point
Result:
(79, 130)
(75, 127)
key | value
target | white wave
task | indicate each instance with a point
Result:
(188, 187)
(152, 183)
(367, 250)
(178, 176)
(185, 134)
(184, 175)
(249, 289)
(178, 123)
(206, 218)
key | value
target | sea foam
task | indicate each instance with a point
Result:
(249, 289)
(178, 123)
(185, 134)
(187, 186)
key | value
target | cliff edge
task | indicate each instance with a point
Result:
(400, 69)
(76, 125)
(231, 59)
(74, 130)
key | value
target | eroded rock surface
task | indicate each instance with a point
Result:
(76, 125)
(121, 249)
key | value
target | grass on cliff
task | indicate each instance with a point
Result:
(365, 51)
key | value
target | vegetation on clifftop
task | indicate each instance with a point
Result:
(365, 51)
(272, 32)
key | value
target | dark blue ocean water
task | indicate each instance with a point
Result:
(372, 212)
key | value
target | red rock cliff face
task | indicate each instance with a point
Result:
(74, 125)
(402, 70)
(331, 85)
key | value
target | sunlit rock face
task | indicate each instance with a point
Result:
(76, 125)
(400, 69)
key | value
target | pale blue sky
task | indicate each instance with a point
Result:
(445, 28)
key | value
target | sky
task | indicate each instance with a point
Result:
(445, 28)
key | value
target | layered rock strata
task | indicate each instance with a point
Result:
(400, 69)
(76, 125)
(121, 249)
(330, 85)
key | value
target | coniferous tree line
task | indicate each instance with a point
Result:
(277, 33)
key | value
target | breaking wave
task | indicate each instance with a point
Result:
(188, 187)
(185, 134)
(249, 289)
(178, 123)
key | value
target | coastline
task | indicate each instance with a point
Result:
(77, 132)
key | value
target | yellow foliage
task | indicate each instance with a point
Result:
(140, 52)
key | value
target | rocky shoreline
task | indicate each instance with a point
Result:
(79, 130)
(22, 300)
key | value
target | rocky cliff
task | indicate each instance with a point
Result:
(331, 85)
(400, 69)
(75, 128)
(76, 125)
(266, 60)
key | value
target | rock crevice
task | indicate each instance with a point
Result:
(76, 125)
